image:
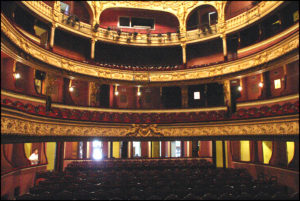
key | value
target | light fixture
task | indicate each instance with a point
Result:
(240, 88)
(116, 90)
(261, 84)
(139, 91)
(71, 89)
(17, 75)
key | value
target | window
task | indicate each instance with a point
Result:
(64, 8)
(135, 22)
(277, 84)
(124, 21)
(136, 149)
(97, 150)
(197, 95)
(175, 149)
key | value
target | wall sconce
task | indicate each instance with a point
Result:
(139, 91)
(261, 84)
(17, 75)
(116, 90)
(240, 88)
(71, 88)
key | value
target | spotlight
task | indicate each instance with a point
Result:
(71, 89)
(17, 75)
(240, 88)
(260, 84)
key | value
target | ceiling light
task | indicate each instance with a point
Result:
(240, 88)
(260, 84)
(116, 93)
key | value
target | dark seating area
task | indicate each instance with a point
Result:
(242, 113)
(154, 180)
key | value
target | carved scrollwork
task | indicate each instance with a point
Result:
(143, 130)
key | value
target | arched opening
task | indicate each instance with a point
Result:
(234, 8)
(78, 8)
(205, 15)
(139, 20)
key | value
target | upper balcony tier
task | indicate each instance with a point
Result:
(99, 23)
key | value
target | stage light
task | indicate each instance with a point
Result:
(240, 88)
(260, 84)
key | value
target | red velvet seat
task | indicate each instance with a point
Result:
(41, 110)
(7, 102)
(19, 105)
(85, 115)
(65, 113)
(30, 108)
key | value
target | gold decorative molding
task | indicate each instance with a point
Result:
(143, 130)
(13, 125)
(180, 9)
(273, 52)
(270, 101)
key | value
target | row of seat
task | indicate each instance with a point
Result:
(254, 112)
(201, 181)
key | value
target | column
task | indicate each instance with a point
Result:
(124, 153)
(93, 42)
(227, 96)
(183, 53)
(195, 148)
(182, 148)
(52, 35)
(224, 46)
(111, 149)
(184, 96)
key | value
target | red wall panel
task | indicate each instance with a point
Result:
(275, 74)
(80, 93)
(292, 78)
(144, 145)
(7, 78)
(234, 8)
(253, 89)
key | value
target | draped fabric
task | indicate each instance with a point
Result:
(59, 156)
(205, 149)
(279, 154)
(235, 149)
(256, 153)
(19, 158)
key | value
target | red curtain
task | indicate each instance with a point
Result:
(235, 149)
(279, 154)
(256, 153)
